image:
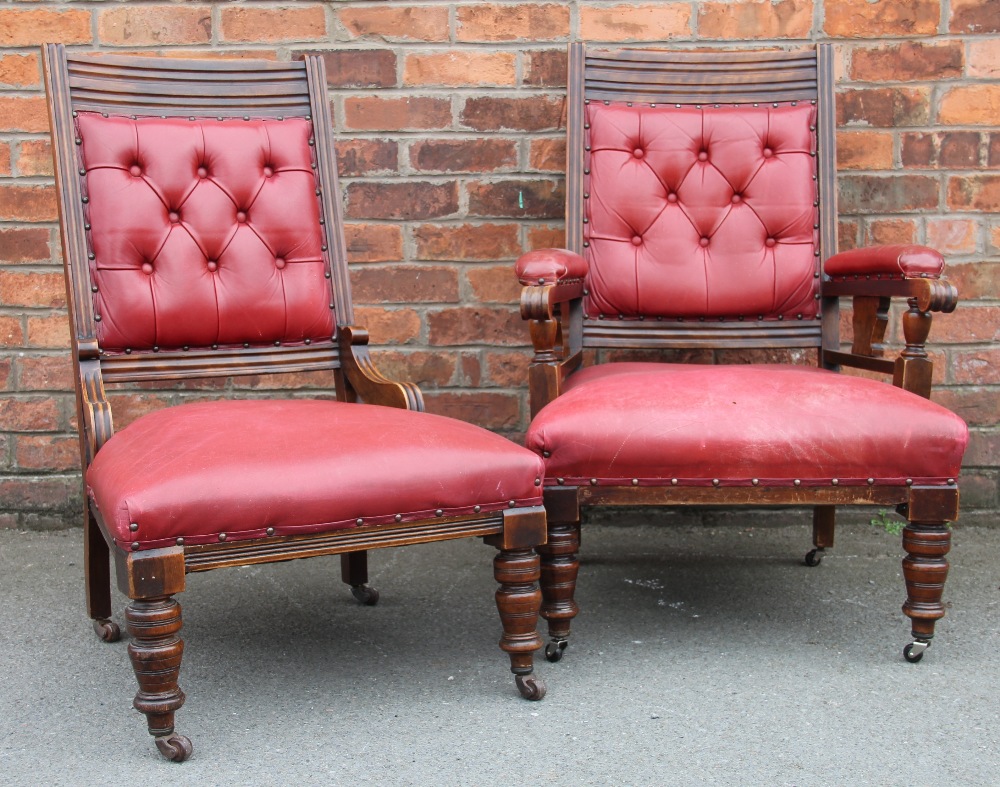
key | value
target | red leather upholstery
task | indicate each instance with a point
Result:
(695, 212)
(298, 466)
(698, 424)
(203, 232)
(896, 261)
(548, 266)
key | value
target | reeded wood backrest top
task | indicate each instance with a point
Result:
(695, 187)
(201, 225)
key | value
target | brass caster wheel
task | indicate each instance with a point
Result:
(915, 651)
(107, 630)
(554, 650)
(814, 557)
(531, 688)
(366, 595)
(174, 747)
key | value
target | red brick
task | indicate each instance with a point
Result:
(389, 326)
(404, 284)
(366, 156)
(47, 494)
(918, 149)
(467, 241)
(973, 105)
(536, 199)
(976, 367)
(983, 450)
(129, 407)
(548, 154)
(884, 107)
(847, 234)
(288, 381)
(630, 22)
(464, 155)
(546, 238)
(11, 332)
(5, 159)
(475, 325)
(45, 373)
(545, 68)
(995, 236)
(426, 369)
(34, 158)
(864, 150)
(32, 289)
(894, 194)
(6, 380)
(459, 68)
(27, 203)
(984, 58)
(485, 409)
(967, 324)
(28, 414)
(37, 26)
(861, 19)
(23, 113)
(978, 490)
(409, 200)
(360, 67)
(993, 154)
(19, 70)
(300, 22)
(47, 452)
(406, 23)
(534, 113)
(974, 192)
(890, 231)
(974, 16)
(974, 280)
(978, 406)
(496, 284)
(508, 369)
(49, 332)
(155, 25)
(952, 236)
(373, 242)
(496, 22)
(909, 60)
(372, 113)
(755, 19)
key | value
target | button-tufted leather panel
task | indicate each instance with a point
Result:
(701, 212)
(298, 466)
(697, 423)
(203, 232)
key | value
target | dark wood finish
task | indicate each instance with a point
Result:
(558, 330)
(124, 85)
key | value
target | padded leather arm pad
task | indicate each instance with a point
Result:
(906, 260)
(550, 266)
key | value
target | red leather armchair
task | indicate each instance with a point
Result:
(701, 215)
(202, 237)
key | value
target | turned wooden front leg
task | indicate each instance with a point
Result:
(925, 570)
(518, 600)
(156, 651)
(559, 570)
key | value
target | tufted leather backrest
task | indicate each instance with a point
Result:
(697, 211)
(203, 232)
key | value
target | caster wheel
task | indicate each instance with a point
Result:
(531, 688)
(554, 650)
(914, 652)
(813, 558)
(107, 630)
(366, 595)
(174, 747)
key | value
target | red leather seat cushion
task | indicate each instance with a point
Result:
(698, 423)
(298, 466)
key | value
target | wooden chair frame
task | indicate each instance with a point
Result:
(120, 85)
(560, 334)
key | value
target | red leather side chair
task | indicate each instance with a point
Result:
(202, 237)
(701, 217)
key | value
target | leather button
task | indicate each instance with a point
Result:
(213, 265)
(768, 152)
(268, 172)
(174, 217)
(703, 156)
(737, 199)
(770, 242)
(671, 197)
(279, 262)
(638, 153)
(636, 240)
(703, 241)
(241, 216)
(135, 170)
(147, 268)
(202, 172)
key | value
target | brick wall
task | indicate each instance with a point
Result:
(451, 153)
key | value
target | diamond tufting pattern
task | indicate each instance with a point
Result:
(697, 212)
(203, 232)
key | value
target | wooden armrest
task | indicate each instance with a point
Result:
(366, 383)
(550, 266)
(95, 411)
(909, 261)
